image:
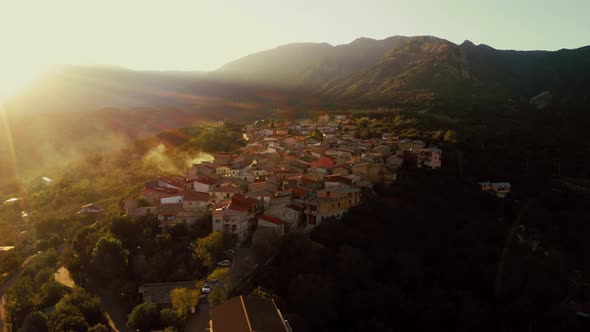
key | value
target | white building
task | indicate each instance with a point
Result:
(237, 217)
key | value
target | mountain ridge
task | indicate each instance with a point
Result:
(379, 71)
(365, 72)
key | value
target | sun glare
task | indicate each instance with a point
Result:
(14, 79)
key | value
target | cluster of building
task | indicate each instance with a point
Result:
(290, 176)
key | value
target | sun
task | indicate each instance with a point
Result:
(16, 78)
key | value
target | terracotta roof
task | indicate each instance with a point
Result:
(226, 189)
(284, 192)
(324, 162)
(241, 203)
(228, 165)
(282, 171)
(176, 183)
(190, 195)
(300, 192)
(308, 158)
(261, 193)
(247, 314)
(304, 178)
(159, 190)
(299, 164)
(272, 219)
(206, 180)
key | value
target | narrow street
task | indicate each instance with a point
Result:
(243, 262)
(199, 321)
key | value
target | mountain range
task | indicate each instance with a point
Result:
(398, 69)
(379, 71)
(74, 110)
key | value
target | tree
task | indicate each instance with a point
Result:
(313, 297)
(9, 261)
(84, 242)
(19, 300)
(208, 248)
(55, 241)
(450, 136)
(145, 317)
(265, 293)
(88, 305)
(42, 245)
(220, 274)
(170, 318)
(221, 289)
(109, 259)
(352, 266)
(317, 134)
(43, 276)
(99, 328)
(218, 295)
(35, 321)
(66, 317)
(184, 301)
(51, 292)
(438, 135)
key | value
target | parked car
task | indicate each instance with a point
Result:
(229, 252)
(203, 298)
(224, 263)
(206, 288)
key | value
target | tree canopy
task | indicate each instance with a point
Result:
(145, 317)
(109, 259)
(208, 248)
(184, 301)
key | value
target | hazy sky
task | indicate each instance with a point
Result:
(203, 35)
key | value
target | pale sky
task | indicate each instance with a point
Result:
(203, 34)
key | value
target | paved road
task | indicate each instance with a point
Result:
(242, 264)
(200, 321)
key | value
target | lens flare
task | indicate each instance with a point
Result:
(5, 128)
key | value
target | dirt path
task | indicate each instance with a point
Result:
(64, 277)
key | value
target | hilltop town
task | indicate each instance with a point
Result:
(290, 176)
